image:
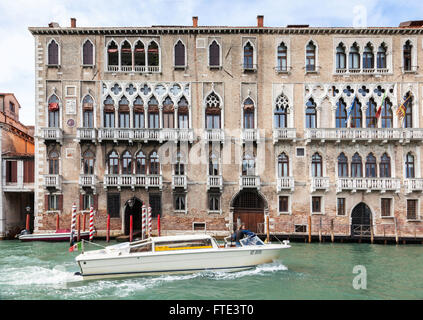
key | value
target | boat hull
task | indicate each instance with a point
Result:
(225, 260)
(52, 237)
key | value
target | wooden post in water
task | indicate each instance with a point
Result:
(371, 232)
(320, 230)
(27, 221)
(309, 229)
(83, 228)
(267, 229)
(332, 238)
(57, 222)
(130, 228)
(396, 232)
(158, 225)
(108, 228)
(78, 222)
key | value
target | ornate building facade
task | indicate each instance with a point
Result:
(213, 126)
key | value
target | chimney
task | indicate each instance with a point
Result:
(195, 22)
(260, 21)
(73, 23)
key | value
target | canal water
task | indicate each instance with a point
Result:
(305, 271)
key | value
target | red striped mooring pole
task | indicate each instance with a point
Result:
(108, 228)
(149, 222)
(130, 228)
(91, 223)
(158, 225)
(73, 224)
(143, 221)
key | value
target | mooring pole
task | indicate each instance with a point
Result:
(84, 221)
(320, 230)
(309, 229)
(27, 221)
(78, 222)
(158, 225)
(130, 228)
(57, 222)
(108, 228)
(396, 232)
(267, 229)
(332, 238)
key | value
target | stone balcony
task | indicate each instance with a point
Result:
(383, 135)
(145, 135)
(133, 181)
(83, 134)
(413, 185)
(250, 135)
(53, 181)
(285, 183)
(368, 184)
(319, 183)
(214, 182)
(211, 135)
(249, 182)
(87, 181)
(52, 134)
(284, 134)
(179, 181)
(133, 69)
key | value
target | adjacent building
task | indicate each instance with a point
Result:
(212, 126)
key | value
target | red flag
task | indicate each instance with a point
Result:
(379, 110)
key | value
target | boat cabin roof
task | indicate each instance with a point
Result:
(181, 237)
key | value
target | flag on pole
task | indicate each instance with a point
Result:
(402, 108)
(379, 110)
(350, 109)
(76, 247)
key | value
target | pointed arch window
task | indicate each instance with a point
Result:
(281, 112)
(409, 166)
(248, 165)
(341, 114)
(248, 114)
(183, 114)
(381, 57)
(88, 53)
(180, 55)
(53, 53)
(179, 167)
(153, 54)
(168, 113)
(88, 112)
(283, 165)
(214, 54)
(138, 113)
(311, 57)
(356, 115)
(340, 57)
(112, 54)
(316, 165)
(371, 120)
(371, 166)
(53, 162)
(387, 115)
(342, 165)
(354, 57)
(311, 114)
(127, 163)
(368, 57)
(385, 166)
(123, 113)
(88, 159)
(248, 56)
(109, 113)
(213, 164)
(113, 162)
(356, 166)
(126, 55)
(407, 55)
(153, 113)
(213, 111)
(408, 118)
(141, 163)
(154, 163)
(139, 56)
(282, 58)
(53, 112)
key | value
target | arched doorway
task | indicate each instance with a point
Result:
(133, 207)
(361, 218)
(248, 208)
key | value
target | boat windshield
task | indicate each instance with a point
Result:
(251, 241)
(141, 247)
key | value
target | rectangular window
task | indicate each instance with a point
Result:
(183, 121)
(29, 171)
(300, 152)
(155, 201)
(11, 171)
(214, 202)
(139, 120)
(53, 202)
(153, 120)
(283, 204)
(301, 228)
(113, 205)
(12, 107)
(386, 207)
(179, 202)
(412, 209)
(87, 201)
(109, 120)
(316, 204)
(341, 207)
(168, 120)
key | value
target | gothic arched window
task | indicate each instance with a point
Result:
(356, 166)
(283, 165)
(371, 166)
(342, 165)
(88, 53)
(53, 112)
(281, 112)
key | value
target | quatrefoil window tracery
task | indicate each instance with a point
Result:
(212, 100)
(282, 102)
(116, 89)
(145, 90)
(131, 89)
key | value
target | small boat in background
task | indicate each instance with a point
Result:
(59, 235)
(175, 254)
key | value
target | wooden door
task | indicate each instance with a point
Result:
(253, 219)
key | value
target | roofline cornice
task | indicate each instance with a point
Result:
(160, 30)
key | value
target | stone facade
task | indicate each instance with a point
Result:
(236, 86)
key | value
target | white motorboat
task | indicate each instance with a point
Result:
(175, 254)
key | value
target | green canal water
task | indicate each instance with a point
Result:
(45, 271)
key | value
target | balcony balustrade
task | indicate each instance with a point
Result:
(413, 185)
(53, 181)
(145, 135)
(211, 135)
(86, 134)
(249, 182)
(214, 182)
(285, 183)
(52, 134)
(368, 184)
(132, 181)
(250, 135)
(179, 181)
(319, 183)
(284, 134)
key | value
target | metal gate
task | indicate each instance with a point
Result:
(361, 221)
